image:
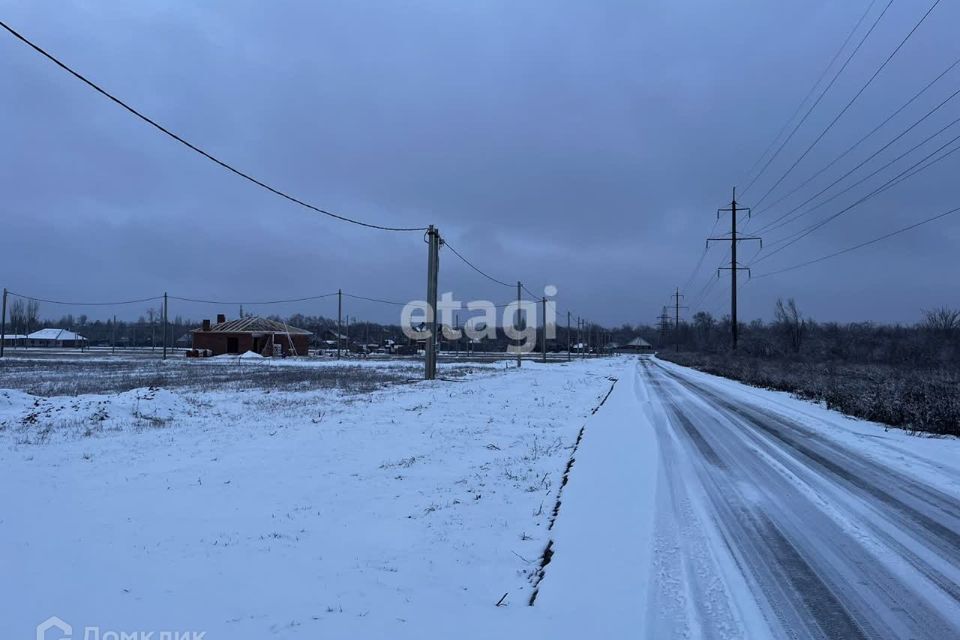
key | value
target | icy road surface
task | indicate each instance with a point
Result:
(768, 525)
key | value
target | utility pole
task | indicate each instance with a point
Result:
(734, 265)
(113, 349)
(580, 336)
(517, 326)
(676, 321)
(543, 346)
(664, 323)
(433, 268)
(339, 319)
(568, 336)
(164, 325)
(456, 328)
(3, 322)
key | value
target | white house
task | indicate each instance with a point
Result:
(55, 338)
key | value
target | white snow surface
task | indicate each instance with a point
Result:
(694, 507)
(405, 512)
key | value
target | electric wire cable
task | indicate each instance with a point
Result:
(252, 303)
(194, 147)
(813, 88)
(368, 299)
(863, 139)
(85, 304)
(851, 101)
(862, 244)
(785, 219)
(903, 175)
(473, 266)
(822, 93)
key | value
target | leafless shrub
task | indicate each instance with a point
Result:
(916, 399)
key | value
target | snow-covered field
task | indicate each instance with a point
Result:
(689, 506)
(248, 512)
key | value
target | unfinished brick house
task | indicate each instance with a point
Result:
(251, 333)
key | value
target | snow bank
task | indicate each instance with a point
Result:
(34, 419)
(595, 585)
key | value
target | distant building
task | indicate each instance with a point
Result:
(637, 345)
(55, 338)
(13, 339)
(251, 333)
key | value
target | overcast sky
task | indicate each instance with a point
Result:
(585, 145)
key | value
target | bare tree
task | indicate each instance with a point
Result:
(18, 316)
(942, 319)
(32, 315)
(790, 322)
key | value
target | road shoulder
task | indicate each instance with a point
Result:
(596, 581)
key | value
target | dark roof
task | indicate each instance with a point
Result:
(254, 324)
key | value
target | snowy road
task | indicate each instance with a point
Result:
(773, 521)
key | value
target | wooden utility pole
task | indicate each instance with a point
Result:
(517, 325)
(339, 319)
(164, 325)
(114, 347)
(676, 321)
(734, 265)
(3, 322)
(543, 347)
(433, 268)
(456, 329)
(568, 336)
(580, 336)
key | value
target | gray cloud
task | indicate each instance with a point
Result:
(581, 144)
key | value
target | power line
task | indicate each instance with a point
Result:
(195, 148)
(475, 267)
(85, 304)
(392, 302)
(487, 275)
(868, 135)
(529, 293)
(804, 101)
(823, 93)
(851, 101)
(862, 244)
(776, 224)
(253, 303)
(903, 175)
(708, 285)
(703, 256)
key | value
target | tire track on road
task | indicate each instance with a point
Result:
(814, 576)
